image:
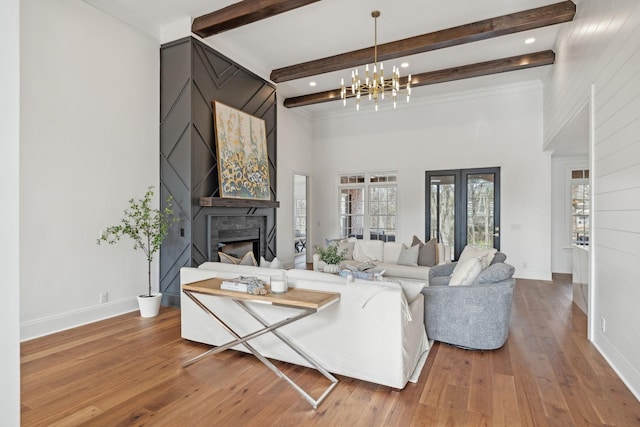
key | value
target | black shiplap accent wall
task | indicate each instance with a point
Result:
(192, 76)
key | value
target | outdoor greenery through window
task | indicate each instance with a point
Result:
(480, 210)
(463, 207)
(580, 207)
(368, 206)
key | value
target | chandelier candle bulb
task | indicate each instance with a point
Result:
(375, 85)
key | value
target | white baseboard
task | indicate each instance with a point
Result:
(627, 372)
(60, 322)
(532, 275)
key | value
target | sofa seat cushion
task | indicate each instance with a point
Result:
(395, 270)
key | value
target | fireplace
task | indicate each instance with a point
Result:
(236, 235)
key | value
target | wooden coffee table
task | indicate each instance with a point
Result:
(306, 301)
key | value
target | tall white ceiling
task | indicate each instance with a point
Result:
(330, 27)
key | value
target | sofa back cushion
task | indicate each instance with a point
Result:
(391, 251)
(229, 271)
(369, 250)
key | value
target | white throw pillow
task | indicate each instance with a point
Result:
(274, 263)
(485, 255)
(466, 272)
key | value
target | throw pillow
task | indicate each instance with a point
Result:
(249, 259)
(466, 272)
(227, 259)
(408, 256)
(427, 255)
(495, 273)
(348, 247)
(485, 255)
(274, 263)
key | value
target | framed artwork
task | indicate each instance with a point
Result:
(243, 160)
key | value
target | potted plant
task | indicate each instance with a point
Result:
(147, 227)
(331, 257)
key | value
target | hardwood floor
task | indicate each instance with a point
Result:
(126, 371)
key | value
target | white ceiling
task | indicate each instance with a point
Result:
(330, 27)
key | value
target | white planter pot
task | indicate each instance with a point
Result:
(331, 268)
(149, 305)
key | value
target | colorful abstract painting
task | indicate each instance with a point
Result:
(243, 161)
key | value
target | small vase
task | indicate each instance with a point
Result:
(331, 268)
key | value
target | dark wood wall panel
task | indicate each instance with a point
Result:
(192, 76)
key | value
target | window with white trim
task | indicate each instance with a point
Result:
(580, 207)
(368, 206)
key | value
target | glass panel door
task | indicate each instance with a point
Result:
(442, 217)
(463, 207)
(482, 231)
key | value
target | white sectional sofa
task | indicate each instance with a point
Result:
(385, 256)
(374, 333)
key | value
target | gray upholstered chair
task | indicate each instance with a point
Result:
(475, 316)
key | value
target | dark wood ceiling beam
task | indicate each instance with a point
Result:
(481, 30)
(242, 13)
(513, 63)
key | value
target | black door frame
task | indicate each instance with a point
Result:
(460, 177)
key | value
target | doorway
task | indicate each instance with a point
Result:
(463, 208)
(300, 220)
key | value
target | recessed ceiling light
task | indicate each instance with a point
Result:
(404, 64)
(312, 84)
(530, 40)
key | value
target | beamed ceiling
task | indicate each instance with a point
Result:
(450, 46)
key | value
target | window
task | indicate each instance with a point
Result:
(368, 206)
(580, 207)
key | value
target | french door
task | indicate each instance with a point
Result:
(463, 208)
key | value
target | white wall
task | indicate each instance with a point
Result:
(10, 213)
(602, 46)
(496, 127)
(89, 142)
(294, 157)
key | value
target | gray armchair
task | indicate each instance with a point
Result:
(475, 316)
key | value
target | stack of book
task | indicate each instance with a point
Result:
(249, 284)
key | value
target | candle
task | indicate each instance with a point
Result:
(278, 284)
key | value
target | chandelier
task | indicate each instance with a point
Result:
(374, 85)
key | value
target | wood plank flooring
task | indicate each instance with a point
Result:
(126, 371)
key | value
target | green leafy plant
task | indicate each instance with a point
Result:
(146, 226)
(330, 254)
